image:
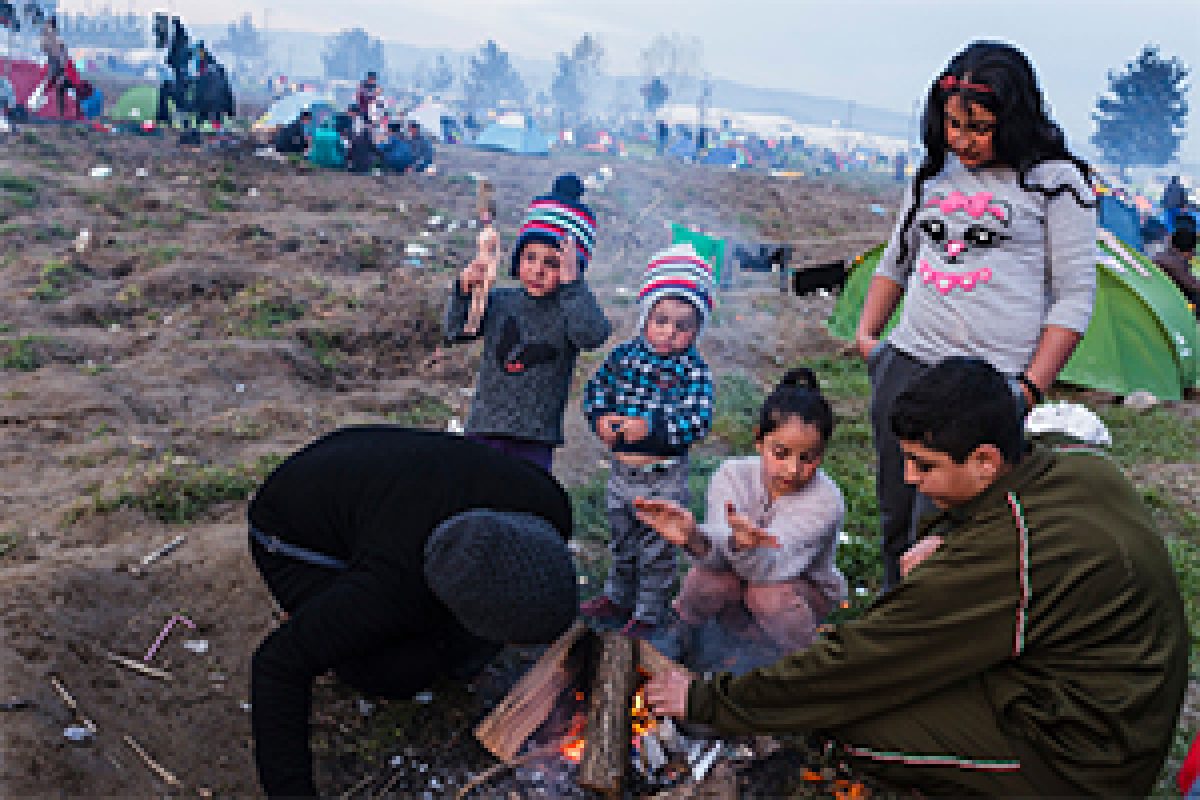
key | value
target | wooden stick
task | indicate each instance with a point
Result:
(69, 700)
(523, 710)
(608, 733)
(150, 558)
(137, 666)
(158, 769)
(488, 250)
(654, 662)
(357, 787)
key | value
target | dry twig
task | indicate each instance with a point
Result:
(69, 700)
(504, 766)
(158, 769)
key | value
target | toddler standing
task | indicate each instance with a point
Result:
(649, 403)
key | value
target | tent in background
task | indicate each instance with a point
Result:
(138, 104)
(524, 140)
(1142, 336)
(710, 248)
(25, 77)
(1122, 220)
(726, 157)
(286, 109)
(429, 117)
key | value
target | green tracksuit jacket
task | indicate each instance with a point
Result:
(1053, 593)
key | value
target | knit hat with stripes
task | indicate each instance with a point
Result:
(677, 272)
(553, 217)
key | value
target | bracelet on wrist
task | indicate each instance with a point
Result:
(1038, 395)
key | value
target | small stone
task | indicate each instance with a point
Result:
(1141, 401)
(423, 698)
(239, 387)
(395, 762)
(197, 646)
(78, 733)
(365, 707)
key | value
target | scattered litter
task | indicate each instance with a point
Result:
(163, 634)
(417, 250)
(395, 762)
(862, 591)
(454, 425)
(423, 698)
(426, 234)
(69, 701)
(434, 221)
(167, 548)
(583, 580)
(467, 391)
(414, 262)
(82, 240)
(145, 669)
(16, 704)
(452, 226)
(114, 327)
(878, 209)
(141, 172)
(252, 192)
(471, 223)
(365, 707)
(239, 387)
(197, 646)
(246, 707)
(623, 290)
(101, 172)
(77, 733)
(158, 769)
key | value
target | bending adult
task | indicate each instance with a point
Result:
(399, 556)
(994, 255)
(1036, 646)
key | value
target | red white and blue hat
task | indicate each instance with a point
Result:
(679, 272)
(553, 217)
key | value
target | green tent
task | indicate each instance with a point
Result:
(710, 248)
(1142, 336)
(136, 105)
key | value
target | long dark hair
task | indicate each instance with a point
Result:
(798, 394)
(999, 78)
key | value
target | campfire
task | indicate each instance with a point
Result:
(594, 684)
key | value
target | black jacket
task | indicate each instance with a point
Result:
(370, 497)
(291, 138)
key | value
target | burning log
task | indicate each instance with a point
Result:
(614, 682)
(526, 707)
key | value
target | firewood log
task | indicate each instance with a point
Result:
(606, 756)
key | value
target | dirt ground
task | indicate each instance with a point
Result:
(225, 308)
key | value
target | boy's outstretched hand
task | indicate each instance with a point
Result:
(746, 534)
(568, 261)
(672, 521)
(667, 693)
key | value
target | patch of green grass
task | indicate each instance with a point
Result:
(219, 202)
(265, 316)
(324, 349)
(735, 411)
(8, 541)
(51, 232)
(55, 277)
(850, 461)
(22, 354)
(179, 492)
(428, 412)
(1154, 436)
(161, 255)
(21, 192)
(841, 377)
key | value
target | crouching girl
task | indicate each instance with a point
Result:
(764, 560)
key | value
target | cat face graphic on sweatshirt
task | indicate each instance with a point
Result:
(958, 230)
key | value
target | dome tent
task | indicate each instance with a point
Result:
(1142, 335)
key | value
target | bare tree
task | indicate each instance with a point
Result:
(245, 45)
(351, 54)
(491, 80)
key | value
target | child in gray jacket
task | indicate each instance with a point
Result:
(532, 334)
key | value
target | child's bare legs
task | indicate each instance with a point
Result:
(788, 612)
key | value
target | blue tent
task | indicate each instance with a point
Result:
(724, 157)
(684, 149)
(526, 141)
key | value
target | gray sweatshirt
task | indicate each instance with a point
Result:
(806, 523)
(529, 350)
(989, 264)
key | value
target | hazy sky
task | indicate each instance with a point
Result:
(880, 53)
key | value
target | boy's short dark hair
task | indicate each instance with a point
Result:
(1184, 237)
(958, 405)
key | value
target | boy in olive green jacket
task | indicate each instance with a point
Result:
(1036, 646)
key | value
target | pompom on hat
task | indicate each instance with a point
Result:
(678, 272)
(555, 216)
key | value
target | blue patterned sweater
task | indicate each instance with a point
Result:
(673, 393)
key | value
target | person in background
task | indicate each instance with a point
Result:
(994, 255)
(1174, 199)
(365, 96)
(422, 147)
(1176, 261)
(296, 136)
(396, 152)
(55, 51)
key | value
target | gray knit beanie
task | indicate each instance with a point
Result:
(506, 576)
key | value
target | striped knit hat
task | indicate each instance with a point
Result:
(551, 218)
(677, 272)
